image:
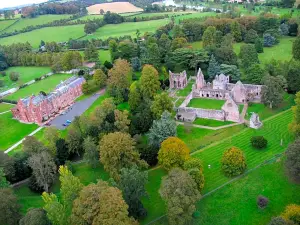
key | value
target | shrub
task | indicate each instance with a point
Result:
(278, 221)
(173, 153)
(1, 83)
(3, 73)
(233, 162)
(262, 201)
(14, 76)
(148, 153)
(192, 164)
(259, 142)
(292, 213)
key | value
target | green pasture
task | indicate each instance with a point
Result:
(5, 23)
(47, 85)
(122, 29)
(48, 34)
(211, 123)
(236, 203)
(206, 103)
(170, 14)
(89, 17)
(43, 19)
(104, 55)
(194, 15)
(5, 107)
(26, 74)
(12, 131)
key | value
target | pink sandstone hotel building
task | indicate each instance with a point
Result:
(40, 108)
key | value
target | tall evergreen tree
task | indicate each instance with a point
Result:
(213, 68)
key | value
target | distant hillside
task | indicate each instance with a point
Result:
(116, 7)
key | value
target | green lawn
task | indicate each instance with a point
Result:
(197, 138)
(57, 34)
(43, 19)
(89, 17)
(211, 123)
(281, 51)
(96, 104)
(47, 85)
(235, 204)
(117, 30)
(104, 55)
(179, 102)
(26, 74)
(186, 91)
(265, 112)
(170, 14)
(12, 131)
(5, 23)
(194, 15)
(123, 106)
(205, 103)
(5, 107)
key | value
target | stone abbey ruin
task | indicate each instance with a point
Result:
(219, 89)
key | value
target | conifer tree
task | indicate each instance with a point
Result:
(213, 68)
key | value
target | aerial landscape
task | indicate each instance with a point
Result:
(150, 112)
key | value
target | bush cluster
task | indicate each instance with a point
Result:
(259, 142)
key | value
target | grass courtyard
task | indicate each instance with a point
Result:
(47, 85)
(206, 103)
(12, 131)
(26, 74)
(185, 91)
(211, 123)
(48, 34)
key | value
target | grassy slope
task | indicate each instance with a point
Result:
(26, 22)
(236, 203)
(5, 23)
(206, 103)
(26, 74)
(117, 30)
(211, 123)
(58, 34)
(12, 131)
(5, 107)
(46, 85)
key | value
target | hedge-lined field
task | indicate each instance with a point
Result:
(5, 23)
(43, 19)
(47, 85)
(48, 34)
(26, 74)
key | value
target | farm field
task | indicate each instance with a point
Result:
(5, 23)
(58, 34)
(26, 74)
(5, 107)
(114, 7)
(117, 30)
(211, 123)
(194, 15)
(170, 14)
(205, 103)
(46, 85)
(12, 131)
(42, 19)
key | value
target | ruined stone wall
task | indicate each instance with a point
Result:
(210, 93)
(205, 113)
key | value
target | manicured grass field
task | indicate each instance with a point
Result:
(12, 131)
(26, 22)
(197, 138)
(57, 34)
(211, 123)
(47, 85)
(117, 30)
(26, 74)
(96, 104)
(5, 107)
(5, 23)
(236, 203)
(205, 103)
(104, 55)
(186, 91)
(265, 112)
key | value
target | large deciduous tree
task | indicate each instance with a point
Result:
(100, 204)
(209, 36)
(161, 103)
(9, 206)
(132, 183)
(35, 216)
(32, 146)
(294, 126)
(292, 162)
(173, 153)
(117, 151)
(248, 55)
(236, 31)
(255, 74)
(251, 36)
(91, 153)
(296, 48)
(43, 169)
(179, 191)
(162, 129)
(51, 135)
(233, 162)
(149, 83)
(195, 169)
(56, 212)
(272, 92)
(91, 53)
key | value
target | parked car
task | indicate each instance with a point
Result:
(65, 124)
(69, 121)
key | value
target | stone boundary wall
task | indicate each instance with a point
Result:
(186, 101)
(205, 113)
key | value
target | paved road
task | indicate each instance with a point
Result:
(75, 110)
